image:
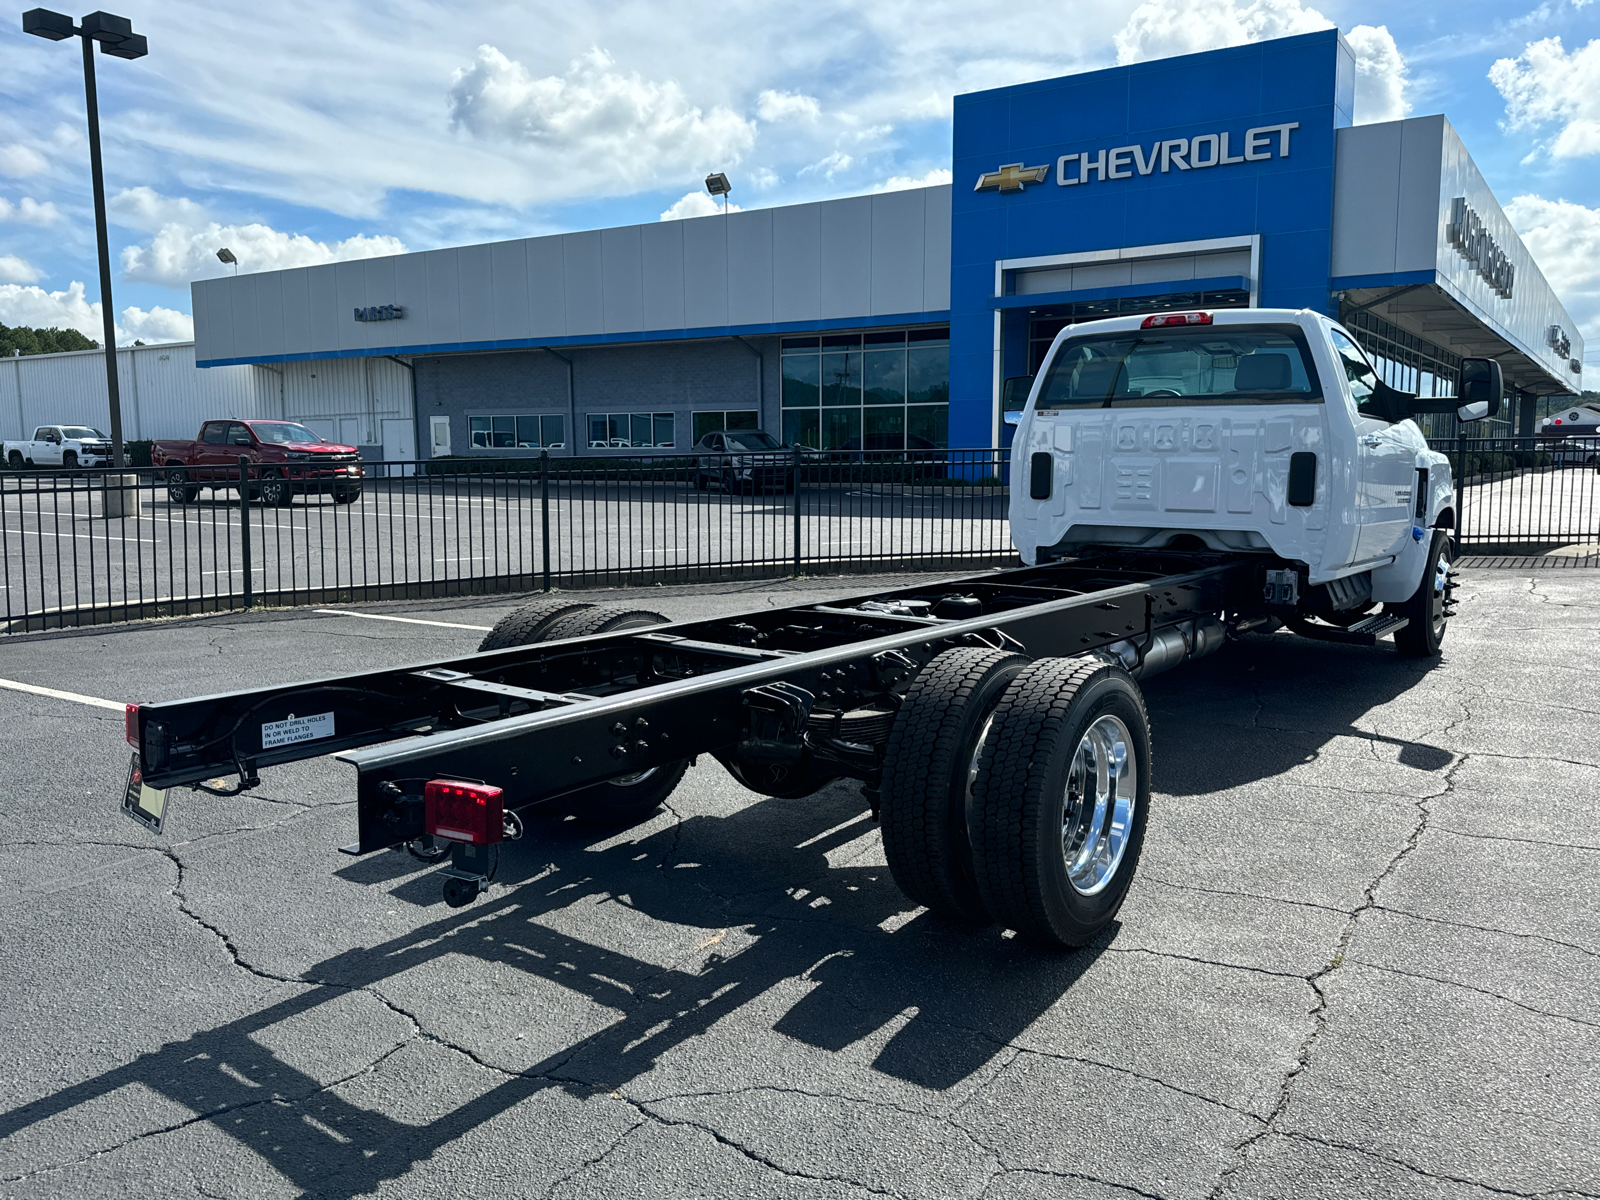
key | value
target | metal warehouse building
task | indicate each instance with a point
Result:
(1229, 178)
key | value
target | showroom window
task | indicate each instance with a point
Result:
(883, 390)
(631, 431)
(710, 422)
(535, 431)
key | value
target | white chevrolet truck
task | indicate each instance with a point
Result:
(1176, 480)
(1252, 431)
(65, 446)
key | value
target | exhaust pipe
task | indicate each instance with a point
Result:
(1170, 646)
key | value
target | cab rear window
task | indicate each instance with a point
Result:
(1156, 368)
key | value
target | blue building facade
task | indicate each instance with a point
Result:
(1231, 178)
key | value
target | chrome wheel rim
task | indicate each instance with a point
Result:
(1439, 601)
(635, 779)
(1097, 815)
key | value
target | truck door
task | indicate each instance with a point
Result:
(212, 451)
(1388, 462)
(47, 446)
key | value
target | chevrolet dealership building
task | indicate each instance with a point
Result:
(1227, 179)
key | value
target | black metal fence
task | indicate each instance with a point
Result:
(1524, 495)
(87, 548)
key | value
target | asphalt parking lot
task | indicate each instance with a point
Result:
(1361, 957)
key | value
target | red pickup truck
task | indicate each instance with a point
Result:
(285, 458)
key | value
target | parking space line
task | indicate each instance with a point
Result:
(341, 612)
(35, 689)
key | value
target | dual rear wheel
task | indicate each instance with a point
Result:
(1019, 791)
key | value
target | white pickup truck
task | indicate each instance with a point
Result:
(1257, 431)
(66, 446)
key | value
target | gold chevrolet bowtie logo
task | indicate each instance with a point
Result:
(1012, 177)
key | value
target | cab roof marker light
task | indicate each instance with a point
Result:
(1163, 319)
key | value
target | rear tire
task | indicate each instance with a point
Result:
(1428, 610)
(527, 625)
(15, 459)
(592, 621)
(1061, 800)
(928, 774)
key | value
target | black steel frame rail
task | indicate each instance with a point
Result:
(545, 720)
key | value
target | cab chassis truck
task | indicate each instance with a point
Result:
(995, 720)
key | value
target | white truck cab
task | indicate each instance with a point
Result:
(69, 446)
(1254, 431)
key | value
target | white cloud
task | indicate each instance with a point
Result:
(17, 160)
(1564, 239)
(696, 204)
(68, 309)
(932, 178)
(1547, 85)
(29, 211)
(145, 209)
(596, 120)
(830, 166)
(17, 270)
(186, 242)
(1163, 28)
(783, 106)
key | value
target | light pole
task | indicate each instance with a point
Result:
(117, 38)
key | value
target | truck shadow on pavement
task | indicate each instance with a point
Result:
(814, 923)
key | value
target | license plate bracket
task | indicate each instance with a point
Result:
(145, 804)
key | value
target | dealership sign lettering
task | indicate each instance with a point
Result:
(381, 312)
(1166, 155)
(1472, 241)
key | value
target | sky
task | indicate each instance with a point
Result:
(334, 130)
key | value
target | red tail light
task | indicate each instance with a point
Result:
(130, 724)
(1163, 319)
(464, 812)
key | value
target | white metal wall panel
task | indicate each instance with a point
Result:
(163, 394)
(296, 311)
(547, 287)
(796, 262)
(584, 262)
(705, 272)
(323, 304)
(475, 292)
(1417, 204)
(846, 258)
(834, 260)
(1366, 199)
(936, 249)
(897, 252)
(508, 267)
(444, 296)
(352, 393)
(661, 252)
(749, 267)
(622, 280)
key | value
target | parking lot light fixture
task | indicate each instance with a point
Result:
(717, 184)
(227, 256)
(117, 38)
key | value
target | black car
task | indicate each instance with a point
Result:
(743, 458)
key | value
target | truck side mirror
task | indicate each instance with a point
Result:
(1482, 386)
(1014, 398)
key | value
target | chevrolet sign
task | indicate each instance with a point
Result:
(380, 312)
(1012, 177)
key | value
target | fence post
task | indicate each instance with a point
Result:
(244, 528)
(544, 510)
(794, 467)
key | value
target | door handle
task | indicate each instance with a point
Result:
(1371, 439)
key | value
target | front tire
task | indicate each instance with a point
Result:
(1061, 800)
(1428, 611)
(928, 773)
(274, 491)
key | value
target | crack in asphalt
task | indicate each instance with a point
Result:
(1333, 1144)
(1536, 937)
(1502, 837)
(1189, 887)
(1319, 1010)
(586, 1165)
(1077, 1176)
(1468, 987)
(212, 1114)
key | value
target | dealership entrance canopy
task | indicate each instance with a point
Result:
(1226, 179)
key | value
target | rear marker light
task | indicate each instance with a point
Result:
(130, 724)
(1163, 319)
(463, 812)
